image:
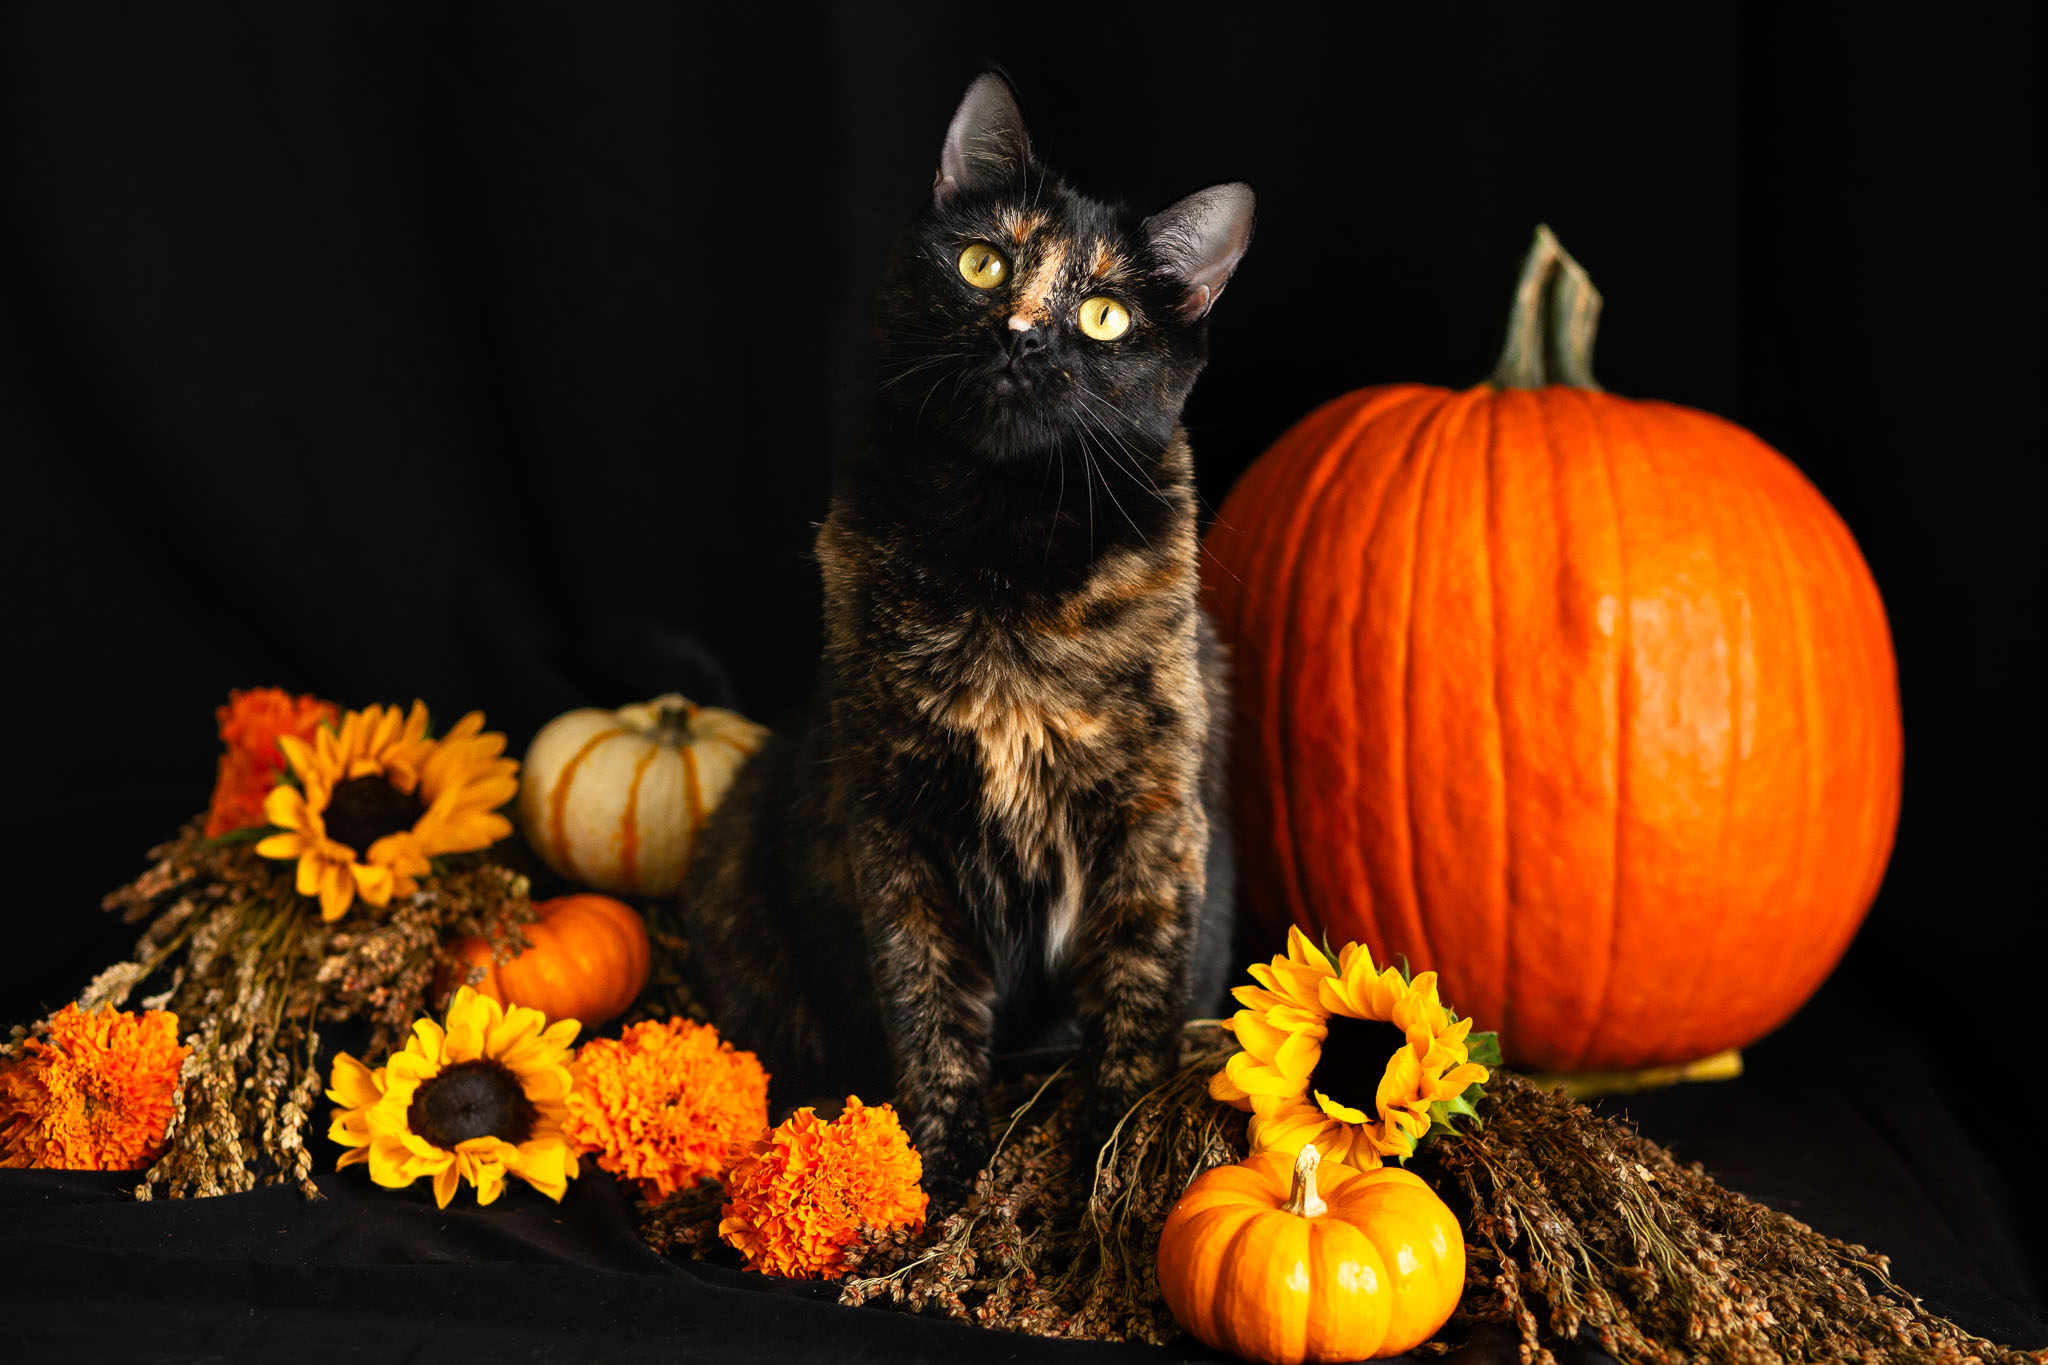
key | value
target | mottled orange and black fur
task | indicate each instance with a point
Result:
(998, 820)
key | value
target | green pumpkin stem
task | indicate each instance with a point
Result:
(1303, 1199)
(1550, 331)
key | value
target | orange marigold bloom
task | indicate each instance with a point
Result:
(251, 762)
(665, 1104)
(796, 1201)
(94, 1094)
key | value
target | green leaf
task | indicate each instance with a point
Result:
(1465, 1105)
(1483, 1048)
(241, 836)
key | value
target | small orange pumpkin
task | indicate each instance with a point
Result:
(588, 960)
(1256, 1260)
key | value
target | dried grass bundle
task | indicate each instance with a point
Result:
(1578, 1226)
(1578, 1230)
(252, 972)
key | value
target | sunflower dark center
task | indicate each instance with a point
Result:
(471, 1100)
(1355, 1057)
(363, 810)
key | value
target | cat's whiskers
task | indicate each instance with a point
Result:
(1086, 443)
(936, 383)
(1193, 487)
(1088, 487)
(906, 371)
(1060, 504)
(1136, 468)
(1109, 407)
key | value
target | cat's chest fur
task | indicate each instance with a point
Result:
(1043, 716)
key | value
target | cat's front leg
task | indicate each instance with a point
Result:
(938, 1008)
(1133, 976)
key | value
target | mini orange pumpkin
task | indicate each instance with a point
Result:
(588, 960)
(1256, 1260)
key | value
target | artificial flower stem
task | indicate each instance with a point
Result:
(1303, 1200)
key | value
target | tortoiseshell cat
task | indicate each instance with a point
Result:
(996, 818)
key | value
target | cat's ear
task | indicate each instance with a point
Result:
(986, 144)
(1201, 239)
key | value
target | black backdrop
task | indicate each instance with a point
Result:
(391, 350)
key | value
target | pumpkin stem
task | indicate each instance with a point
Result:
(1550, 331)
(672, 716)
(1303, 1199)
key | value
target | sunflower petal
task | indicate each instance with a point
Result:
(337, 890)
(1222, 1088)
(285, 807)
(281, 846)
(1289, 1128)
(544, 1164)
(1254, 1078)
(470, 1018)
(1302, 950)
(1340, 996)
(562, 1033)
(390, 1164)
(1343, 1113)
(1297, 1057)
(1256, 1035)
(373, 884)
(515, 1026)
(353, 1084)
(429, 1040)
(1298, 983)
(1255, 997)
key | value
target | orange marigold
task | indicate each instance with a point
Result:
(796, 1201)
(94, 1094)
(665, 1104)
(251, 762)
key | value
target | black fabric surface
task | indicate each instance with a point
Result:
(1835, 1122)
(429, 349)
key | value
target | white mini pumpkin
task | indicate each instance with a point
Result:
(614, 799)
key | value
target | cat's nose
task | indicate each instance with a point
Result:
(1026, 337)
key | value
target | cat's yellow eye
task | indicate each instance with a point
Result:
(982, 266)
(1104, 319)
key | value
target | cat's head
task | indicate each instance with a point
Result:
(1019, 316)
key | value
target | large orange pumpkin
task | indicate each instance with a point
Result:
(587, 958)
(1587, 704)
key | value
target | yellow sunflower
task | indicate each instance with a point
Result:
(376, 799)
(1344, 1055)
(476, 1100)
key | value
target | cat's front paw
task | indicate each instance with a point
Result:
(1096, 1128)
(950, 1172)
